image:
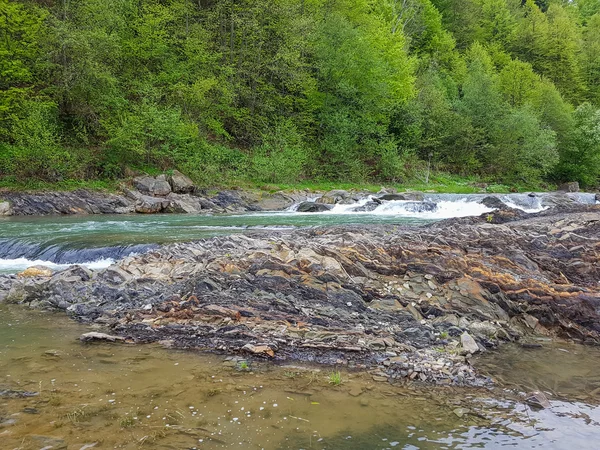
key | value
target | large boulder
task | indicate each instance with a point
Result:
(412, 196)
(493, 202)
(313, 207)
(334, 196)
(180, 183)
(158, 187)
(151, 205)
(572, 186)
(5, 209)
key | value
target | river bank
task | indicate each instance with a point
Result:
(405, 303)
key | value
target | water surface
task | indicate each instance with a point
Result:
(130, 397)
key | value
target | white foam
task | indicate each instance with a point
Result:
(20, 264)
(401, 208)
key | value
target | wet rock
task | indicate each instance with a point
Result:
(420, 207)
(468, 343)
(413, 196)
(180, 183)
(367, 207)
(460, 412)
(313, 207)
(537, 399)
(259, 349)
(49, 443)
(493, 202)
(16, 393)
(95, 336)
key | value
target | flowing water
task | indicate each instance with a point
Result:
(129, 397)
(97, 241)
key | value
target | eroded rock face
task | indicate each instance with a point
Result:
(351, 294)
(5, 209)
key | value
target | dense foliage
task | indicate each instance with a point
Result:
(277, 91)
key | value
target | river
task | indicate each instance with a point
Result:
(59, 393)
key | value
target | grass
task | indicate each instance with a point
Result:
(243, 365)
(335, 378)
(441, 182)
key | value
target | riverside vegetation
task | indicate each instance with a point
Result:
(297, 91)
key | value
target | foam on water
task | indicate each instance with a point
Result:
(20, 264)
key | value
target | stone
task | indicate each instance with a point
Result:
(493, 202)
(313, 207)
(144, 184)
(150, 205)
(412, 196)
(334, 196)
(180, 183)
(35, 271)
(571, 186)
(468, 343)
(5, 209)
(49, 443)
(537, 399)
(460, 412)
(161, 188)
(95, 336)
(259, 349)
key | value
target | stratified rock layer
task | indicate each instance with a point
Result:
(360, 294)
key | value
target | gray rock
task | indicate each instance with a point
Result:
(95, 336)
(334, 196)
(572, 186)
(161, 188)
(493, 202)
(468, 343)
(313, 207)
(180, 183)
(150, 205)
(414, 196)
(367, 207)
(144, 184)
(5, 209)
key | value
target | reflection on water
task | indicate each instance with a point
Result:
(130, 397)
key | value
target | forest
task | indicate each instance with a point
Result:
(281, 91)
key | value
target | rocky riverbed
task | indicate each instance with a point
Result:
(406, 303)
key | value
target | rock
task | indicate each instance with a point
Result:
(161, 188)
(13, 393)
(5, 209)
(460, 412)
(151, 205)
(572, 186)
(333, 197)
(412, 196)
(95, 336)
(313, 207)
(379, 378)
(355, 391)
(259, 349)
(35, 271)
(49, 443)
(153, 186)
(367, 207)
(144, 184)
(537, 399)
(468, 343)
(420, 207)
(180, 183)
(493, 202)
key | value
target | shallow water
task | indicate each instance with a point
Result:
(130, 397)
